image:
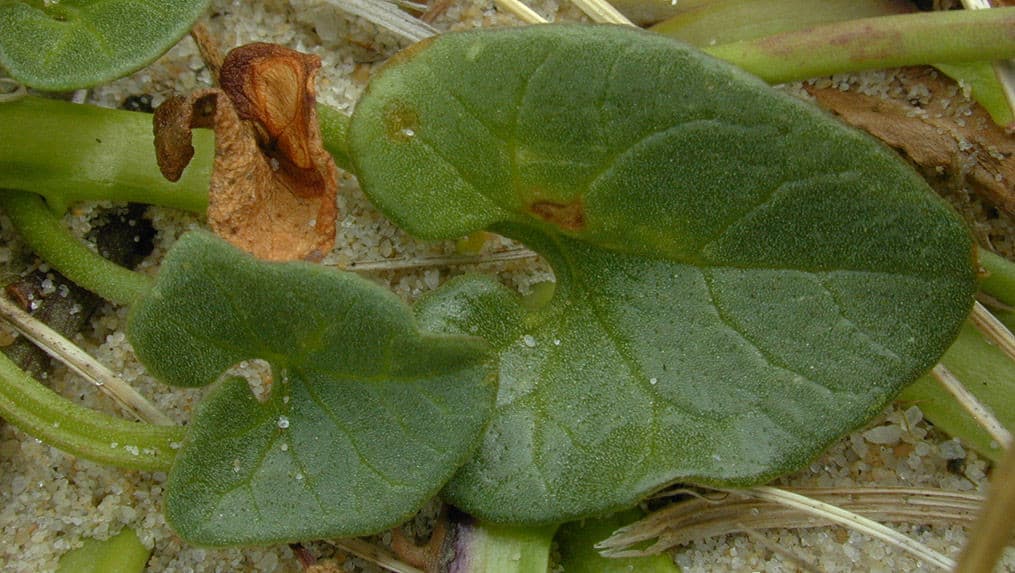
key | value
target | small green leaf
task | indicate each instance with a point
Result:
(122, 553)
(81, 43)
(741, 279)
(367, 417)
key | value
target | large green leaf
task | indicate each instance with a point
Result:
(81, 43)
(741, 279)
(367, 417)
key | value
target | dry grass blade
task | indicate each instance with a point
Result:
(374, 554)
(703, 517)
(520, 11)
(971, 404)
(993, 529)
(429, 262)
(808, 511)
(836, 514)
(994, 329)
(602, 12)
(387, 16)
(11, 90)
(414, 6)
(87, 367)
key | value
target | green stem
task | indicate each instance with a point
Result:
(507, 549)
(69, 152)
(463, 544)
(82, 432)
(51, 241)
(874, 43)
(999, 281)
(334, 124)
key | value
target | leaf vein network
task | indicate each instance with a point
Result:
(349, 435)
(726, 319)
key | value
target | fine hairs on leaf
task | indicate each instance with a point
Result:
(740, 279)
(367, 417)
(60, 46)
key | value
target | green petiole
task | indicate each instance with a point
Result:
(80, 431)
(51, 241)
(999, 280)
(875, 43)
(69, 153)
(471, 546)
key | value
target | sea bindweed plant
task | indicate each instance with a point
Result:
(741, 280)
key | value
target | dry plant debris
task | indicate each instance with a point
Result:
(273, 184)
(924, 122)
(702, 516)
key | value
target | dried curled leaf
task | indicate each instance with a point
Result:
(273, 184)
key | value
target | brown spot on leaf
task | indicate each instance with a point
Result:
(273, 185)
(400, 121)
(567, 216)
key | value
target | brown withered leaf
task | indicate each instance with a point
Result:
(965, 146)
(273, 185)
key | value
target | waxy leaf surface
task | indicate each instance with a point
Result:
(366, 419)
(741, 279)
(81, 43)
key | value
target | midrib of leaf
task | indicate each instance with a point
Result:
(244, 485)
(609, 163)
(100, 40)
(58, 47)
(356, 447)
(512, 142)
(561, 257)
(579, 291)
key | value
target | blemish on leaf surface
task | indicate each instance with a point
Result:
(567, 216)
(400, 121)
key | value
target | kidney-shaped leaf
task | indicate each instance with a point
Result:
(741, 279)
(80, 43)
(366, 419)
